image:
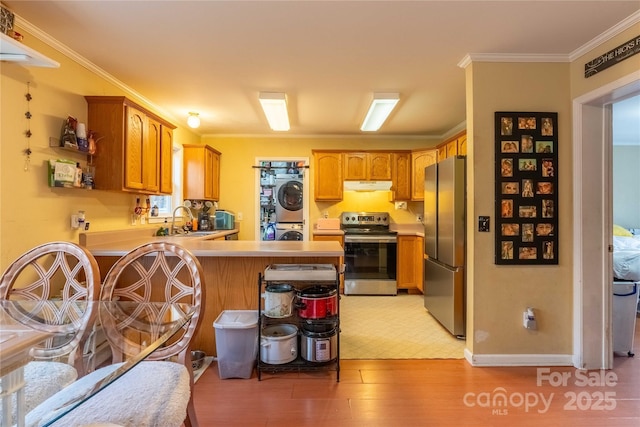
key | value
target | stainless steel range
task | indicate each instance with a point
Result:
(370, 250)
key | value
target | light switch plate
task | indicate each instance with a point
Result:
(484, 224)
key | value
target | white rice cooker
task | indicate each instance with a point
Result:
(279, 344)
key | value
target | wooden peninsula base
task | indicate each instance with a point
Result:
(231, 270)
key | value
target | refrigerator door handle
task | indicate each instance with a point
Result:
(451, 268)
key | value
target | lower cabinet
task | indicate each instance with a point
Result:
(298, 319)
(410, 263)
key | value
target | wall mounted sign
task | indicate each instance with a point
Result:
(526, 203)
(624, 51)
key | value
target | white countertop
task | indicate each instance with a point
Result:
(416, 229)
(201, 247)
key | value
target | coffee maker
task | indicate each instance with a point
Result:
(204, 221)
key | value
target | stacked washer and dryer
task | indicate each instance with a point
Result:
(289, 203)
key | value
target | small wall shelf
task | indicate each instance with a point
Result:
(55, 143)
(13, 51)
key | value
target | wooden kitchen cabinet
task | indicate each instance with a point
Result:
(356, 166)
(462, 145)
(327, 175)
(420, 160)
(166, 160)
(410, 263)
(201, 173)
(153, 147)
(456, 146)
(380, 165)
(370, 166)
(401, 176)
(129, 152)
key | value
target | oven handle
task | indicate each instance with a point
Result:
(370, 239)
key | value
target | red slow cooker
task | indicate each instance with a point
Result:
(317, 302)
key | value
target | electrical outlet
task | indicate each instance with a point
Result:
(419, 217)
(239, 216)
(529, 320)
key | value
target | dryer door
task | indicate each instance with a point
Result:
(291, 235)
(290, 201)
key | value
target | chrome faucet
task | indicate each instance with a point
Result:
(173, 219)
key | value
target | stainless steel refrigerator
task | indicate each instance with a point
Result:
(444, 238)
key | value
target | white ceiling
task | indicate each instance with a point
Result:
(214, 57)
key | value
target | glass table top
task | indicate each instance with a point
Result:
(49, 330)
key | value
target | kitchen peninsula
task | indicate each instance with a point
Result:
(231, 267)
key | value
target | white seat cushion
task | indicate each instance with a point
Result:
(150, 394)
(42, 380)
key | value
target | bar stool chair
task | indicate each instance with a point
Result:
(158, 391)
(63, 281)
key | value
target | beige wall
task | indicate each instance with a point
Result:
(502, 293)
(31, 212)
(239, 192)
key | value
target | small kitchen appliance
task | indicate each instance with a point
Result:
(278, 300)
(225, 220)
(317, 302)
(279, 344)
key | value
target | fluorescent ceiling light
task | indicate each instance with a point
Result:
(193, 120)
(274, 105)
(381, 107)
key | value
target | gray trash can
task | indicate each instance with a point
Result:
(625, 303)
(236, 342)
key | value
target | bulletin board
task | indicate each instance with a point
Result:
(526, 205)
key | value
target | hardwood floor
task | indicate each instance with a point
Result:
(426, 393)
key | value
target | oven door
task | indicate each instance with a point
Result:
(370, 265)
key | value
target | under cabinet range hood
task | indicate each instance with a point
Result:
(367, 185)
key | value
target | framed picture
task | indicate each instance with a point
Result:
(526, 158)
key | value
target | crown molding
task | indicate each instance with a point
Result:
(76, 57)
(511, 57)
(623, 25)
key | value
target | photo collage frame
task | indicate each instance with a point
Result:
(526, 208)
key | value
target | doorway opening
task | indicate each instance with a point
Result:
(282, 202)
(593, 223)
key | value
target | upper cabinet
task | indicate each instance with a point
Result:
(327, 175)
(371, 166)
(356, 166)
(166, 160)
(462, 144)
(201, 173)
(456, 146)
(131, 152)
(401, 176)
(420, 160)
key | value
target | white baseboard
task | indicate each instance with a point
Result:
(518, 359)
